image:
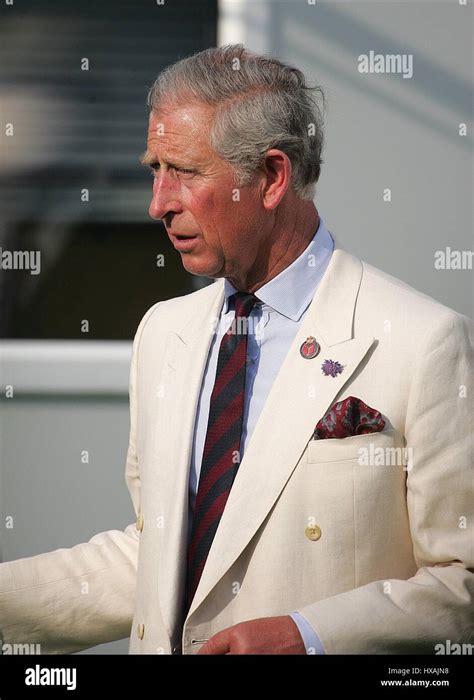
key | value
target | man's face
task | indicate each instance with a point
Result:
(195, 195)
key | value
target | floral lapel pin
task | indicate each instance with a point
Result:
(331, 368)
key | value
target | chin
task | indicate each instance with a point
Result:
(204, 268)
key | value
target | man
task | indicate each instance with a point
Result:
(300, 444)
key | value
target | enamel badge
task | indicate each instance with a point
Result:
(310, 348)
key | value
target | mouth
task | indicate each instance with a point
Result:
(183, 242)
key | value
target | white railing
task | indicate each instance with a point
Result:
(65, 367)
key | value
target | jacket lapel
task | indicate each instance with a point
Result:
(299, 397)
(183, 369)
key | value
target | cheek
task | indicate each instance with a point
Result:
(222, 217)
(211, 212)
(199, 203)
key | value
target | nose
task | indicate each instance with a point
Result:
(166, 196)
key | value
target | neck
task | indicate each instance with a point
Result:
(289, 236)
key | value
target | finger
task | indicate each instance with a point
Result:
(218, 644)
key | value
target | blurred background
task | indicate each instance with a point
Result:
(73, 120)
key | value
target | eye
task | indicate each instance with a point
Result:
(155, 167)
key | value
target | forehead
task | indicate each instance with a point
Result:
(180, 128)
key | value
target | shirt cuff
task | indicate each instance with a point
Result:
(310, 638)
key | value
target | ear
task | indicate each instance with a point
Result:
(277, 177)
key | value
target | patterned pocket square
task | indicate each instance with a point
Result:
(349, 417)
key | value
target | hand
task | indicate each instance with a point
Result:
(265, 635)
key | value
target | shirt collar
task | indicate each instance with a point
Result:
(291, 291)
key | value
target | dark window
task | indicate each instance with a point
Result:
(74, 130)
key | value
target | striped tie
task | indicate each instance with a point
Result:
(221, 455)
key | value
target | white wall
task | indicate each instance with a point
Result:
(384, 131)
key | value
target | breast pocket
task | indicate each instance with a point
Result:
(362, 448)
(357, 488)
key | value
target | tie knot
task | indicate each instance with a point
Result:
(244, 303)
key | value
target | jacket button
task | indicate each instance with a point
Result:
(140, 522)
(313, 532)
(140, 630)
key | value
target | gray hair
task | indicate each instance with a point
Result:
(261, 103)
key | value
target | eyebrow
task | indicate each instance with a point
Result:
(147, 158)
(150, 159)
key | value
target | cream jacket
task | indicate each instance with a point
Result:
(369, 537)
